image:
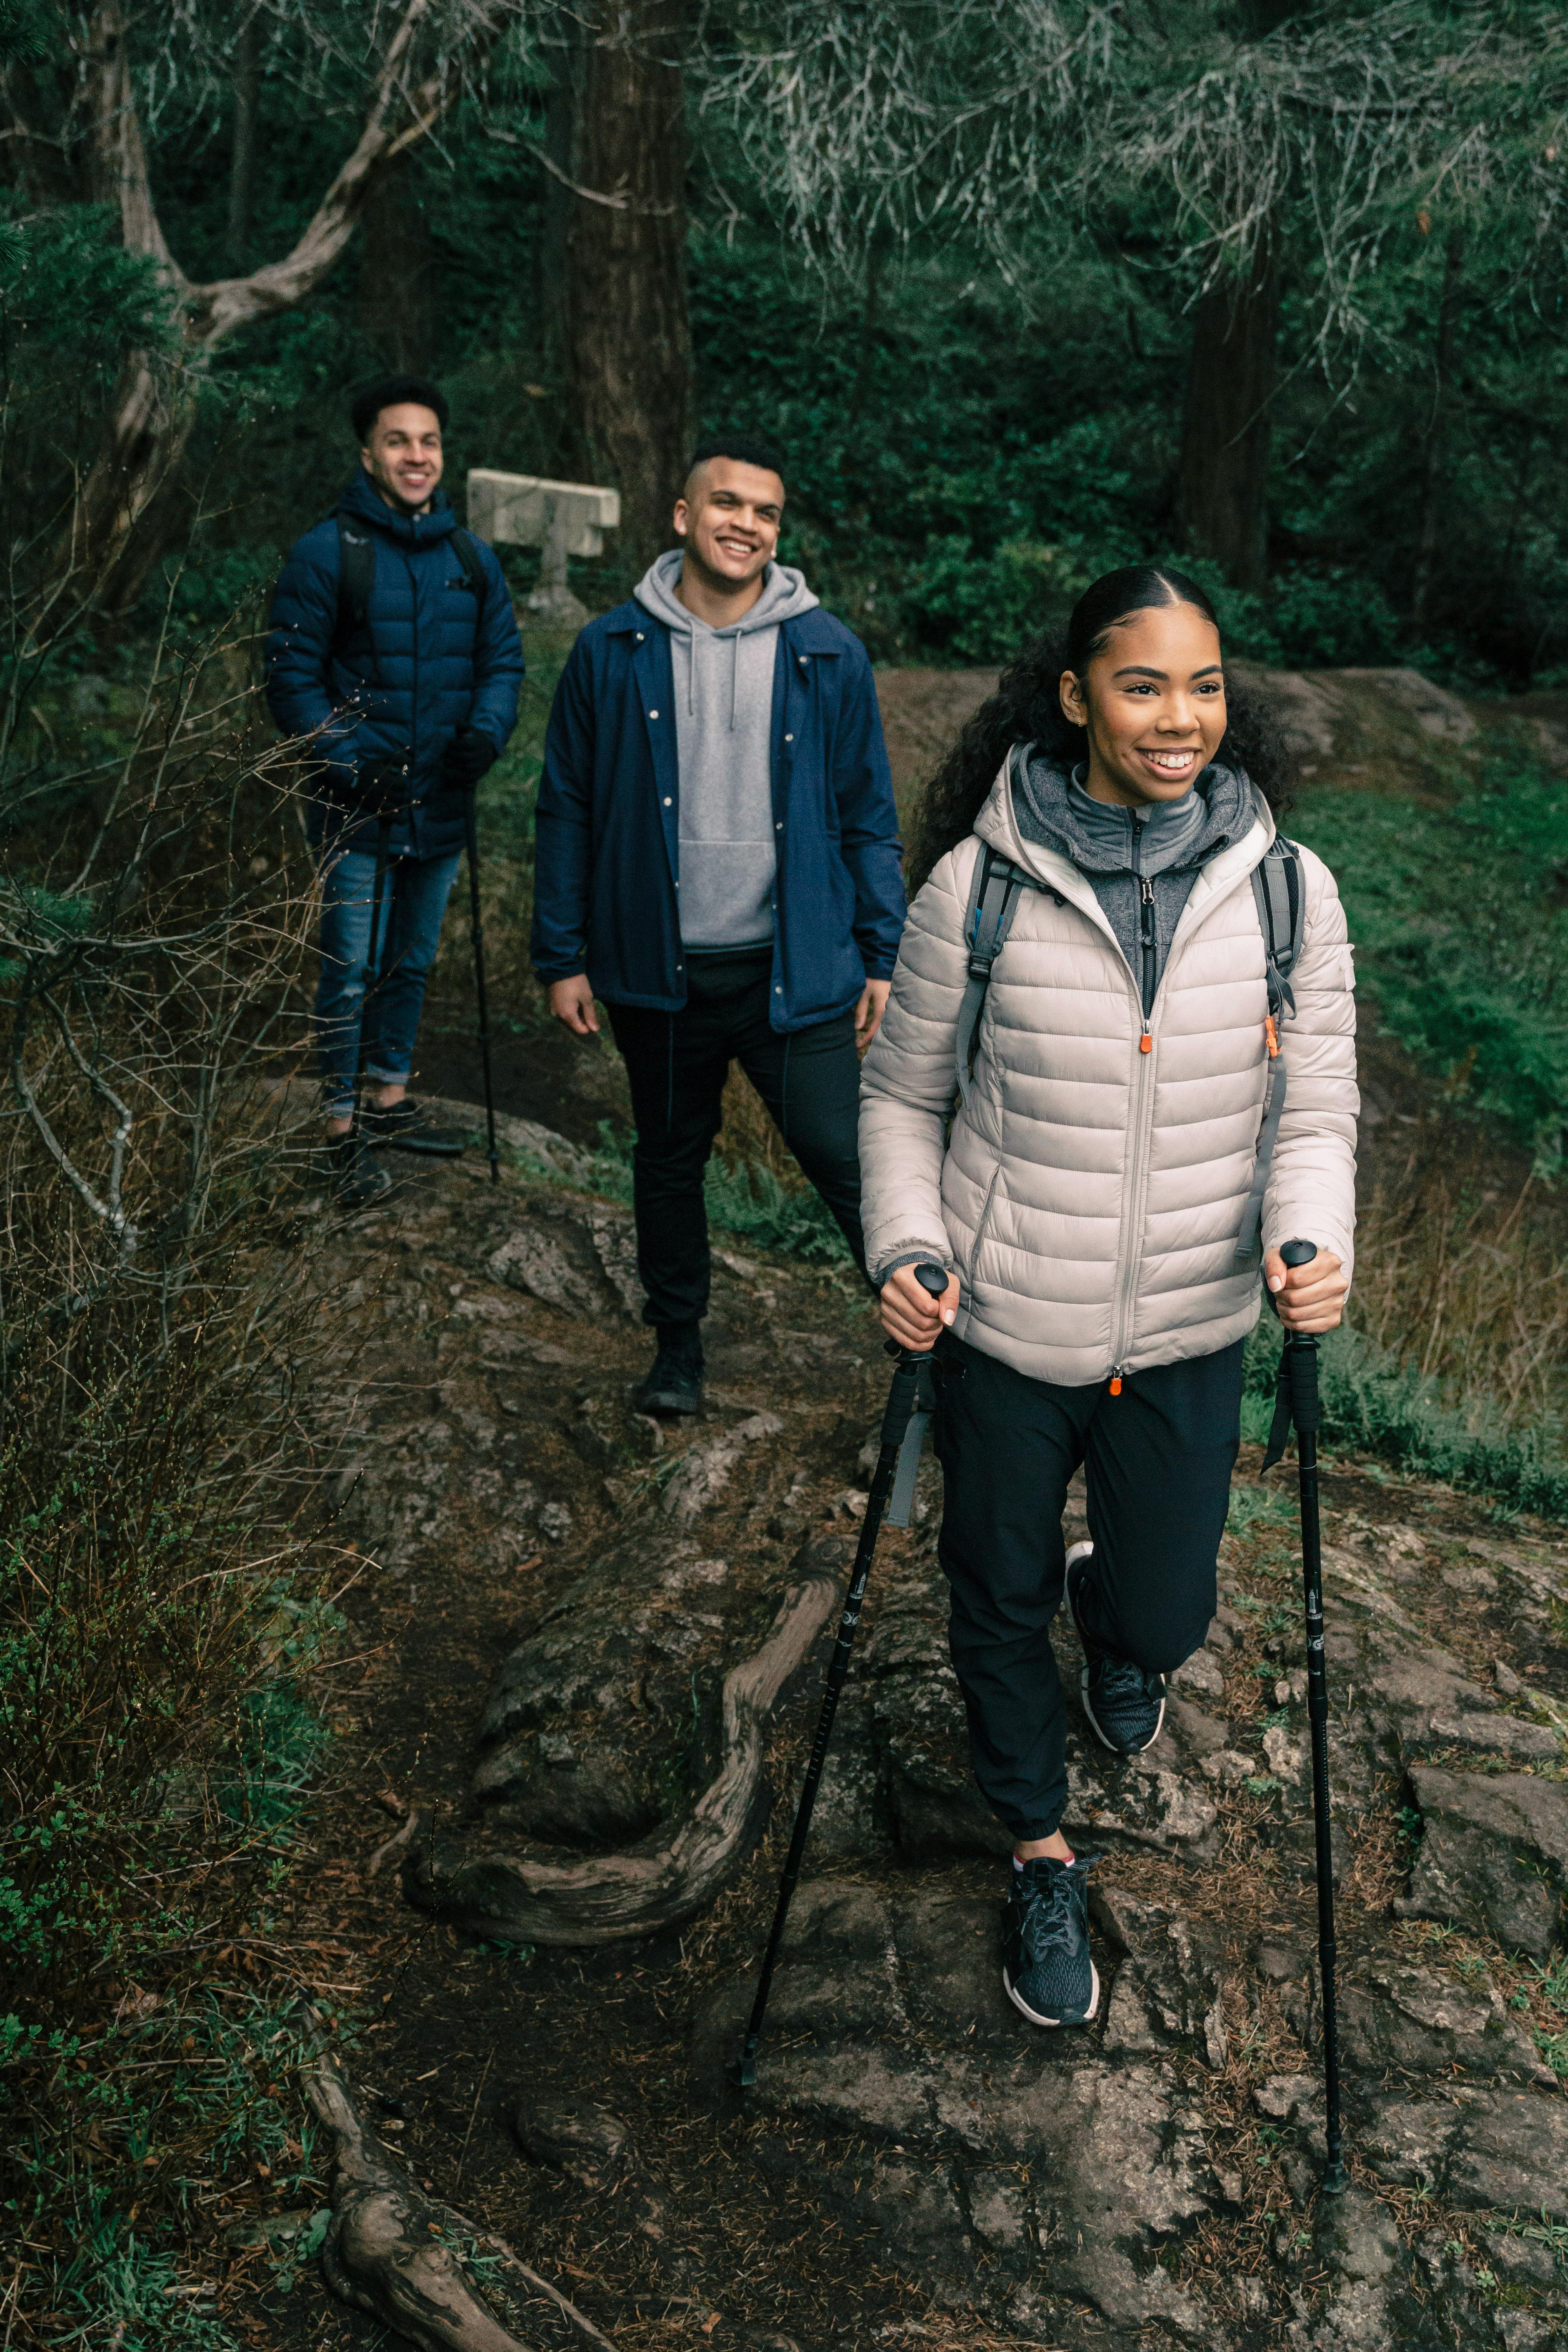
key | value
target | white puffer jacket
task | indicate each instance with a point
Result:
(1091, 1194)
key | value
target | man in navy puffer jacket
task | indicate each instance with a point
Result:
(406, 697)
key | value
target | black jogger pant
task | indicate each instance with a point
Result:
(1158, 1460)
(677, 1062)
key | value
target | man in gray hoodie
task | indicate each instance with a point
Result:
(717, 860)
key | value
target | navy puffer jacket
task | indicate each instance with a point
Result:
(428, 664)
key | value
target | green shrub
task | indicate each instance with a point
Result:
(1374, 1407)
(1333, 619)
(977, 607)
(1460, 931)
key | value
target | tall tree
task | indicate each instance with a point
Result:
(1223, 476)
(629, 339)
(415, 74)
(1253, 139)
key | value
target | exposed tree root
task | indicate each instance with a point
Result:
(408, 2261)
(669, 1876)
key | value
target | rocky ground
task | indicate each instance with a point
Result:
(581, 1668)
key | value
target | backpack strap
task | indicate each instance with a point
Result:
(1279, 890)
(994, 898)
(465, 547)
(356, 578)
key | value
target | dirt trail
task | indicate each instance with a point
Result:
(552, 1592)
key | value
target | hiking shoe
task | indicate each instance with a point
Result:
(1125, 1706)
(1046, 1972)
(406, 1126)
(675, 1383)
(355, 1179)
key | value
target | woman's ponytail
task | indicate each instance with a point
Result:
(1026, 708)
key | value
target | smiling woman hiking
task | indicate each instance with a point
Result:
(1108, 972)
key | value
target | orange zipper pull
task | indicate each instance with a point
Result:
(1271, 1034)
(1116, 1380)
(1145, 1043)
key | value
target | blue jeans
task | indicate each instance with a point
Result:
(367, 1019)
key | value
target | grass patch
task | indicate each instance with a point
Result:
(1460, 925)
(744, 1199)
(1374, 1406)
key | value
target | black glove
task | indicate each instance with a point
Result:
(381, 788)
(469, 755)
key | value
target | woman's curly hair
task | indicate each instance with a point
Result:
(1026, 708)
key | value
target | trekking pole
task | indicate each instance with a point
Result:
(907, 1412)
(477, 927)
(372, 970)
(1297, 1401)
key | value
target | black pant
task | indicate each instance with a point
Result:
(677, 1062)
(1158, 1460)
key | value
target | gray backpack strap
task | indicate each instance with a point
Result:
(993, 901)
(1279, 891)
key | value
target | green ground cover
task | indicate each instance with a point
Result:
(1460, 916)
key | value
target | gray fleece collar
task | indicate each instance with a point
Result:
(784, 598)
(1051, 807)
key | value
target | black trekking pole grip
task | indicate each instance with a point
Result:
(1301, 1355)
(894, 1421)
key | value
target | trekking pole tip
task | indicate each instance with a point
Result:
(1335, 2180)
(741, 2072)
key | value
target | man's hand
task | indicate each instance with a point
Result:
(1309, 1298)
(469, 755)
(572, 1002)
(869, 1010)
(911, 1315)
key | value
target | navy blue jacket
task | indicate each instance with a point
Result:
(432, 664)
(609, 822)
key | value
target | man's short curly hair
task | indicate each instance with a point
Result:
(393, 392)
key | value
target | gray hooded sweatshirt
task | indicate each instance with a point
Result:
(1141, 863)
(723, 744)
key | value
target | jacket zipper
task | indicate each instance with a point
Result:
(1146, 908)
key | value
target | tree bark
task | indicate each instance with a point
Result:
(1432, 486)
(1222, 488)
(675, 1872)
(397, 309)
(242, 152)
(113, 537)
(630, 343)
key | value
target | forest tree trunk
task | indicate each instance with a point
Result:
(1436, 436)
(242, 153)
(397, 270)
(1222, 487)
(629, 345)
(120, 523)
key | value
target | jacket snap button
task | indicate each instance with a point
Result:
(653, 714)
(788, 739)
(667, 801)
(639, 640)
(778, 991)
(778, 828)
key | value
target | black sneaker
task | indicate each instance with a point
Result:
(1125, 1706)
(405, 1126)
(1046, 1972)
(675, 1383)
(356, 1181)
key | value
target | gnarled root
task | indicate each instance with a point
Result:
(399, 2257)
(669, 1876)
